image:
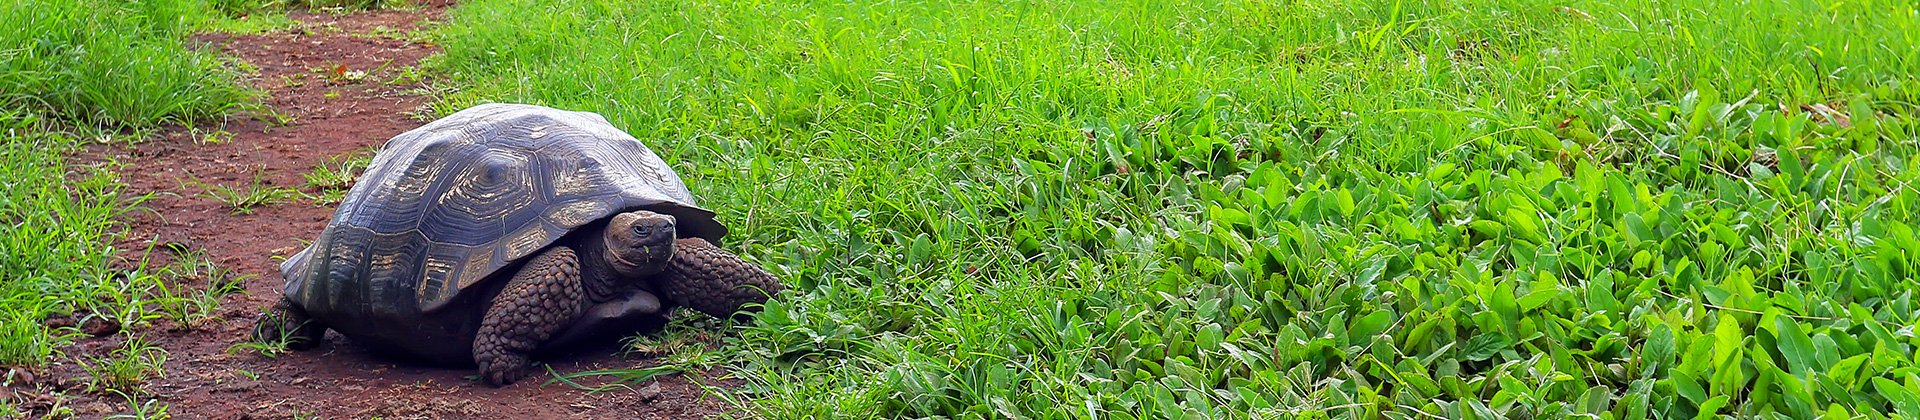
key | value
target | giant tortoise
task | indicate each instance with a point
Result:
(503, 230)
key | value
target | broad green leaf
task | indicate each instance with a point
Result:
(1795, 392)
(1421, 332)
(1343, 199)
(1795, 345)
(1636, 229)
(1525, 223)
(1276, 191)
(1728, 374)
(1421, 384)
(1209, 337)
(1486, 345)
(1365, 328)
(1688, 386)
(1765, 381)
(1538, 297)
(1903, 399)
(1711, 407)
(1658, 351)
(1594, 401)
(1502, 304)
(1848, 369)
(1825, 352)
(1836, 412)
(1487, 228)
(921, 248)
(1600, 293)
(1633, 404)
(1727, 336)
(1698, 359)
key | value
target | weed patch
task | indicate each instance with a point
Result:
(127, 367)
(242, 199)
(339, 172)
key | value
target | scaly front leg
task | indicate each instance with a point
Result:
(543, 297)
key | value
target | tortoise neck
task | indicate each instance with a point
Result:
(603, 281)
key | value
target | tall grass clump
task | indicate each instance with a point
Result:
(113, 64)
(1122, 209)
(54, 252)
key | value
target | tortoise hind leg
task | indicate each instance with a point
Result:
(711, 280)
(542, 298)
(288, 324)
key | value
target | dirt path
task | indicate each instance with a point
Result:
(326, 109)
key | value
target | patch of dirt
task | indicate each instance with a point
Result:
(338, 85)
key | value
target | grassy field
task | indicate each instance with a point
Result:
(91, 70)
(1106, 209)
(1410, 209)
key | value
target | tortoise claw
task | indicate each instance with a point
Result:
(504, 369)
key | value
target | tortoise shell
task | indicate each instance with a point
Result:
(443, 207)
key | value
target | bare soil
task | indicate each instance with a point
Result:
(321, 107)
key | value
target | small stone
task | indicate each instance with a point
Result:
(99, 327)
(95, 407)
(14, 376)
(650, 392)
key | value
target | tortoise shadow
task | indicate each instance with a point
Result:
(607, 343)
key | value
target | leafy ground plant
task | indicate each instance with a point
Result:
(242, 200)
(127, 367)
(330, 179)
(187, 306)
(151, 409)
(56, 254)
(1221, 209)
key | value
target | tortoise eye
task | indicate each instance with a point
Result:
(641, 230)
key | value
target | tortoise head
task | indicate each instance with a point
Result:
(639, 243)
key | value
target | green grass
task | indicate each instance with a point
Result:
(330, 180)
(113, 64)
(1126, 209)
(127, 367)
(75, 70)
(243, 199)
(56, 252)
(150, 409)
(185, 305)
